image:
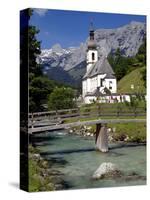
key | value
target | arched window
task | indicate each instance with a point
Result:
(93, 56)
(101, 82)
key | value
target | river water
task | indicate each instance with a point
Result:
(75, 156)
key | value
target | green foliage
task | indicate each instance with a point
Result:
(61, 98)
(141, 55)
(135, 101)
(143, 72)
(34, 183)
(39, 85)
(39, 89)
(130, 70)
(34, 51)
(119, 63)
(136, 132)
(38, 167)
(124, 65)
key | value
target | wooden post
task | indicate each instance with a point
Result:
(101, 137)
(32, 121)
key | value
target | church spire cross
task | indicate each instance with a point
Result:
(91, 30)
(91, 25)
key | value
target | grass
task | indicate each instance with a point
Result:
(37, 182)
(106, 109)
(133, 78)
(136, 132)
(69, 120)
(102, 108)
(34, 182)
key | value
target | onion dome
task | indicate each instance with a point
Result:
(91, 42)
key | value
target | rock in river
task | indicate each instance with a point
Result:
(106, 169)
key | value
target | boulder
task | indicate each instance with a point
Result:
(127, 139)
(37, 157)
(45, 164)
(106, 169)
(70, 131)
(89, 128)
(110, 138)
(109, 130)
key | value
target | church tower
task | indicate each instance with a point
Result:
(99, 78)
(92, 53)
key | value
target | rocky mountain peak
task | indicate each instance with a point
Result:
(127, 38)
(57, 48)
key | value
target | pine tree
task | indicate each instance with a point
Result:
(39, 85)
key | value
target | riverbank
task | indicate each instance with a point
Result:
(129, 132)
(41, 176)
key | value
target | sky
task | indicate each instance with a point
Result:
(71, 28)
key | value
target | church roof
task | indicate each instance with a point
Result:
(102, 66)
(97, 93)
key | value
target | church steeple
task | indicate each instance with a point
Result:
(91, 31)
(92, 53)
(91, 42)
(99, 75)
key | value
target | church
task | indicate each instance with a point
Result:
(99, 82)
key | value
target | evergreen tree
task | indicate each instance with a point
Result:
(119, 63)
(123, 65)
(141, 60)
(141, 55)
(34, 51)
(39, 85)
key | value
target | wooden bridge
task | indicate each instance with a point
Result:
(54, 120)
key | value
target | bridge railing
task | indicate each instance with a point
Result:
(82, 123)
(61, 116)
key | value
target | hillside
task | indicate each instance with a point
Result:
(133, 78)
(60, 76)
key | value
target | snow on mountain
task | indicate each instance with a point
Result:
(128, 38)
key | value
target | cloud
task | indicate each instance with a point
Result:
(41, 12)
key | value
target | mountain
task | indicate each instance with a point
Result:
(60, 75)
(72, 60)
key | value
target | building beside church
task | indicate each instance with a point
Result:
(99, 81)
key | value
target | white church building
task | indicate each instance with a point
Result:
(99, 82)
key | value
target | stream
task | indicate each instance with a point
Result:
(76, 158)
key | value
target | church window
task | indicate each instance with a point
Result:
(101, 82)
(93, 56)
(110, 85)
